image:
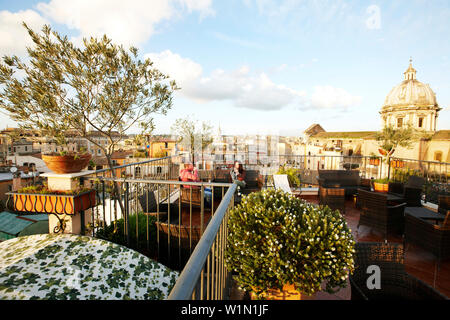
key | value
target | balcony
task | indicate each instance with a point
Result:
(183, 224)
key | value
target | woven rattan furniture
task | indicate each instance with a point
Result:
(443, 204)
(346, 179)
(429, 235)
(333, 198)
(395, 282)
(377, 214)
(191, 196)
(411, 191)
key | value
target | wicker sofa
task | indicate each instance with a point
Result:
(425, 233)
(411, 191)
(345, 179)
(395, 282)
(376, 213)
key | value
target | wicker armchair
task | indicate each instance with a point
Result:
(443, 204)
(333, 198)
(191, 196)
(376, 214)
(411, 194)
(395, 282)
(432, 237)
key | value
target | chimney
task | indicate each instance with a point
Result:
(17, 183)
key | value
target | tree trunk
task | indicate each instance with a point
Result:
(116, 186)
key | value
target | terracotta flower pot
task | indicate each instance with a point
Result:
(67, 163)
(381, 187)
(54, 203)
(397, 164)
(287, 293)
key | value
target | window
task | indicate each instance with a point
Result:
(137, 172)
(166, 145)
(26, 148)
(399, 122)
(420, 122)
(350, 152)
(99, 151)
(438, 156)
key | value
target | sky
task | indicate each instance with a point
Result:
(262, 66)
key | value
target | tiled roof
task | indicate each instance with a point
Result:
(11, 225)
(346, 135)
(441, 135)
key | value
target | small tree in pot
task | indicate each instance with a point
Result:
(277, 241)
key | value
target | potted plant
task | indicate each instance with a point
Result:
(397, 164)
(381, 185)
(374, 160)
(282, 247)
(67, 162)
(40, 199)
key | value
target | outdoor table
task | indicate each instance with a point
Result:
(424, 213)
(394, 198)
(390, 197)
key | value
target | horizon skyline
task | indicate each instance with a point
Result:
(263, 66)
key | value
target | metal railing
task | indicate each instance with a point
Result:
(205, 275)
(165, 168)
(161, 217)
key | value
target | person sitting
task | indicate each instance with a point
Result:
(190, 174)
(238, 174)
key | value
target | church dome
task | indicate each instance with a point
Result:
(410, 93)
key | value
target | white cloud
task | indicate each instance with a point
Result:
(13, 36)
(327, 97)
(243, 88)
(129, 22)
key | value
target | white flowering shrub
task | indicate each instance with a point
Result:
(276, 239)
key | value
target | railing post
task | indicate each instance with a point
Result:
(127, 216)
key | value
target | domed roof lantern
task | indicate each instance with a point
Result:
(410, 73)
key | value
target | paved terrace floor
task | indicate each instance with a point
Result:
(418, 262)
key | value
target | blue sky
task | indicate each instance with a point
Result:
(264, 66)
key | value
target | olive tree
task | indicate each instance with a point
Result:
(193, 135)
(99, 86)
(389, 139)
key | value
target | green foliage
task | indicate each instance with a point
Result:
(292, 174)
(37, 189)
(389, 139)
(383, 180)
(402, 175)
(66, 88)
(276, 239)
(192, 135)
(140, 154)
(116, 233)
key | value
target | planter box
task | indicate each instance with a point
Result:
(397, 164)
(53, 203)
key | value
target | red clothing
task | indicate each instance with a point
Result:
(188, 175)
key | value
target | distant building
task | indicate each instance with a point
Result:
(409, 103)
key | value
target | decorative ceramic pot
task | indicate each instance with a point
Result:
(67, 163)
